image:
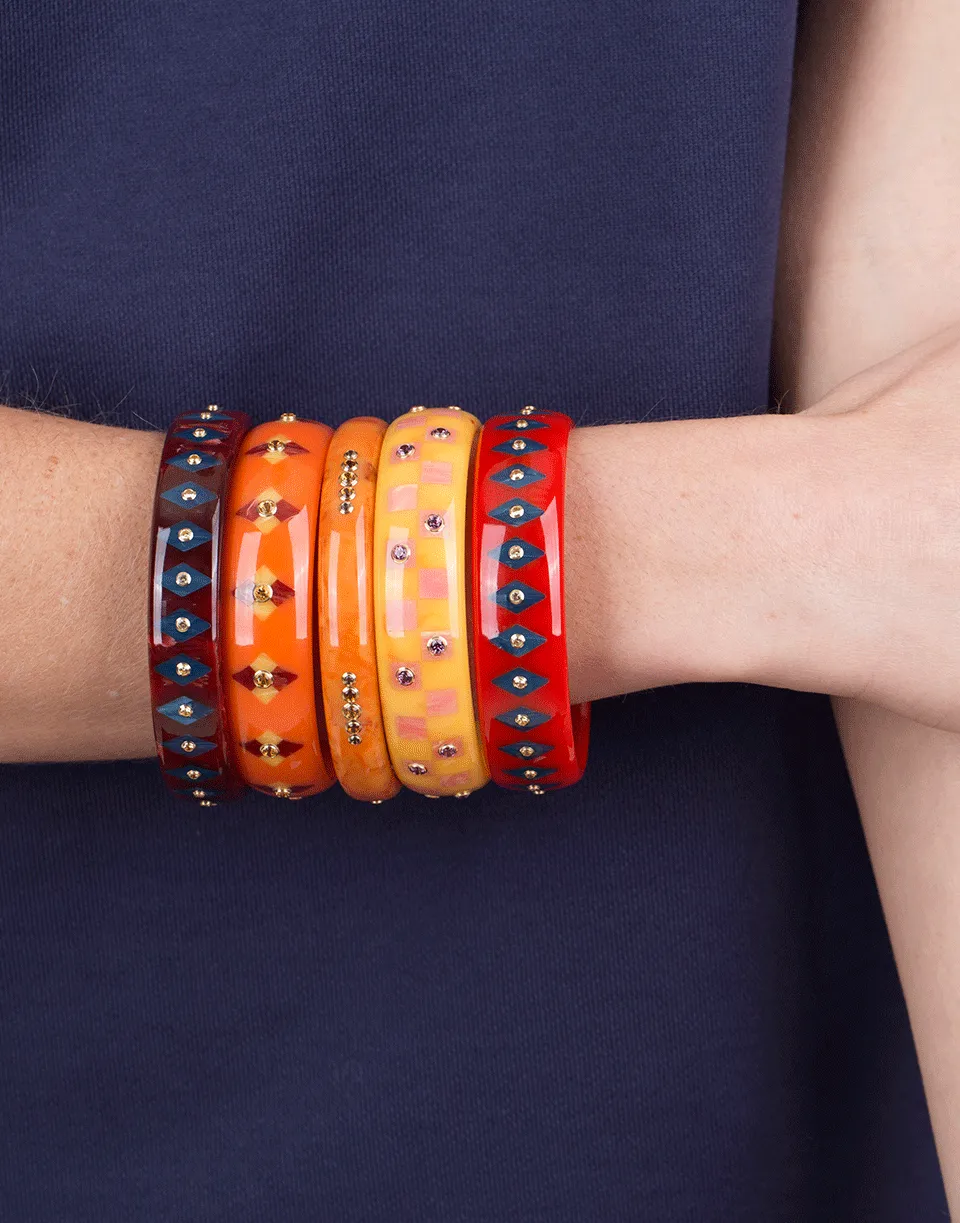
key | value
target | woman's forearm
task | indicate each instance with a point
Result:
(676, 537)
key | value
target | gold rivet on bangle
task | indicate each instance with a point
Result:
(520, 682)
(199, 794)
(353, 728)
(462, 794)
(521, 719)
(184, 668)
(517, 474)
(183, 578)
(349, 692)
(276, 446)
(206, 416)
(205, 802)
(185, 710)
(354, 740)
(417, 769)
(199, 431)
(193, 774)
(263, 679)
(376, 802)
(182, 623)
(515, 511)
(520, 424)
(515, 552)
(518, 444)
(288, 417)
(516, 597)
(418, 408)
(185, 534)
(262, 594)
(266, 508)
(528, 410)
(188, 494)
(188, 745)
(453, 407)
(530, 774)
(348, 677)
(350, 456)
(518, 641)
(535, 789)
(526, 751)
(447, 750)
(282, 791)
(212, 407)
(194, 460)
(269, 751)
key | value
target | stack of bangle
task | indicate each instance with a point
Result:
(382, 606)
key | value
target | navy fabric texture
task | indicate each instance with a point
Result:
(667, 995)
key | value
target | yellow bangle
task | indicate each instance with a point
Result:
(420, 600)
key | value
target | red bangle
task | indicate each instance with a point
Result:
(535, 740)
(188, 704)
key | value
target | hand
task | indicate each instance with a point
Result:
(882, 582)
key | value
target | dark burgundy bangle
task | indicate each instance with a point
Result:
(535, 740)
(188, 706)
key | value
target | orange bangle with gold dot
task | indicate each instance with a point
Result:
(268, 589)
(348, 653)
(421, 600)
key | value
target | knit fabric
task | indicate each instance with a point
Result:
(666, 995)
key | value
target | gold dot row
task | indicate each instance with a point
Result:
(348, 481)
(350, 709)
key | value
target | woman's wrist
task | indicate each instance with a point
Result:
(692, 551)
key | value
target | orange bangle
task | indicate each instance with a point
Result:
(267, 593)
(348, 656)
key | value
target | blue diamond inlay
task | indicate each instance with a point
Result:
(529, 719)
(523, 553)
(196, 537)
(527, 681)
(517, 596)
(200, 747)
(527, 750)
(522, 423)
(530, 446)
(524, 773)
(176, 710)
(194, 628)
(517, 641)
(201, 495)
(509, 477)
(206, 462)
(197, 580)
(168, 669)
(181, 774)
(523, 512)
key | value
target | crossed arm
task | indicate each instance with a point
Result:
(811, 550)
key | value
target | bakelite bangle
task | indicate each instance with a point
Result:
(269, 604)
(348, 654)
(534, 740)
(188, 703)
(423, 647)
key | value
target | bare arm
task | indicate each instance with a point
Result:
(870, 262)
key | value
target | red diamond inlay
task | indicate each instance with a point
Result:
(251, 512)
(288, 448)
(280, 677)
(286, 747)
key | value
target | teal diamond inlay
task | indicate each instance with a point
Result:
(517, 640)
(184, 580)
(206, 461)
(190, 626)
(527, 750)
(516, 553)
(189, 494)
(523, 718)
(193, 536)
(508, 476)
(516, 512)
(177, 709)
(182, 774)
(530, 446)
(520, 680)
(517, 597)
(195, 669)
(189, 747)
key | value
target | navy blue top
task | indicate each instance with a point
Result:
(664, 996)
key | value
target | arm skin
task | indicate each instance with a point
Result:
(870, 261)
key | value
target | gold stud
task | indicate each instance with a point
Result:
(206, 802)
(521, 719)
(194, 460)
(517, 474)
(212, 407)
(376, 802)
(266, 508)
(183, 578)
(418, 408)
(351, 710)
(447, 750)
(185, 534)
(520, 682)
(354, 740)
(349, 692)
(516, 597)
(518, 641)
(350, 456)
(528, 410)
(431, 796)
(417, 769)
(515, 511)
(263, 679)
(193, 774)
(200, 432)
(535, 789)
(530, 774)
(183, 668)
(353, 728)
(182, 623)
(185, 710)
(515, 552)
(269, 751)
(404, 676)
(462, 794)
(346, 507)
(188, 494)
(262, 593)
(276, 446)
(518, 444)
(188, 745)
(282, 791)
(206, 416)
(526, 751)
(453, 407)
(520, 424)
(199, 794)
(348, 677)
(288, 417)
